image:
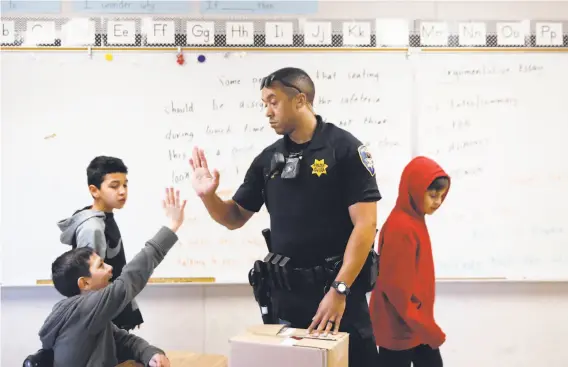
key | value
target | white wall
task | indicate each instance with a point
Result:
(488, 324)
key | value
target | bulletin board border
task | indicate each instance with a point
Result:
(415, 33)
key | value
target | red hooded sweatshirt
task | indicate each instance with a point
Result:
(402, 302)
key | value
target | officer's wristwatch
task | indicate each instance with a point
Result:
(341, 288)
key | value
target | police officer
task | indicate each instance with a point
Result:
(318, 184)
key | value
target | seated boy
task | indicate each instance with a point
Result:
(94, 225)
(402, 303)
(79, 329)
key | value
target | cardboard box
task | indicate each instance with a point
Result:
(280, 346)
(188, 359)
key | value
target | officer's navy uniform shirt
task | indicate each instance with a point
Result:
(309, 215)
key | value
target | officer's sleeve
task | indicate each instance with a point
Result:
(249, 194)
(358, 175)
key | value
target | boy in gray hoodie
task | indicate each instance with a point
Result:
(79, 329)
(94, 225)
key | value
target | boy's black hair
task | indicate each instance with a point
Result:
(439, 183)
(68, 268)
(101, 166)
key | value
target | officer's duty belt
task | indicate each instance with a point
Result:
(276, 271)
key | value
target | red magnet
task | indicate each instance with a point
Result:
(180, 59)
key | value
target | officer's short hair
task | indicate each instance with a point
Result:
(299, 79)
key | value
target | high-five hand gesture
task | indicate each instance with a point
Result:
(173, 208)
(204, 183)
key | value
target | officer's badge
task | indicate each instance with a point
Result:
(366, 159)
(319, 167)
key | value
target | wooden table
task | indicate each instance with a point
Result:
(188, 359)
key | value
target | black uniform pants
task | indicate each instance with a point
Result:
(298, 309)
(420, 356)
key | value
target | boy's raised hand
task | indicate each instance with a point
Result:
(173, 208)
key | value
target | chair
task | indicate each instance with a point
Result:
(41, 358)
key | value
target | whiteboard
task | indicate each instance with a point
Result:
(495, 121)
(498, 123)
(61, 109)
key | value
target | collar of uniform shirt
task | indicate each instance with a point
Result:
(317, 141)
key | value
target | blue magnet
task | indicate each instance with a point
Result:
(201, 58)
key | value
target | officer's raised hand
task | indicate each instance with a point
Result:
(203, 181)
(329, 314)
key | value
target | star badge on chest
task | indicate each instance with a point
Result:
(319, 167)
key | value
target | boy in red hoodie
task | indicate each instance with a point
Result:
(402, 302)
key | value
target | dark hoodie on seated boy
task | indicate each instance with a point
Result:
(80, 329)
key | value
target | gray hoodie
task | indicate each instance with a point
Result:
(79, 328)
(89, 226)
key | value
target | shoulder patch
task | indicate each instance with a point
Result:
(366, 159)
